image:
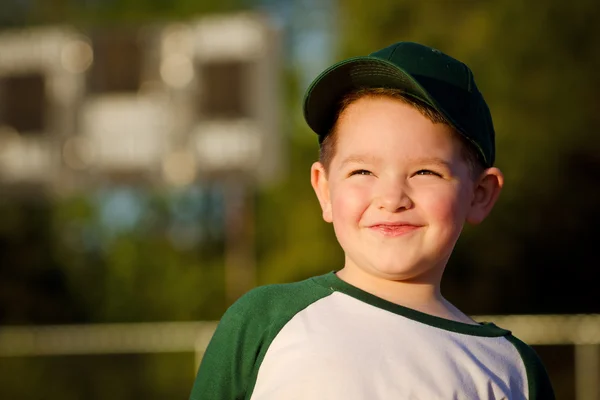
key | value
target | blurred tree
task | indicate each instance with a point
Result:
(14, 13)
(33, 286)
(140, 272)
(293, 241)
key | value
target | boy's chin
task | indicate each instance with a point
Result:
(406, 272)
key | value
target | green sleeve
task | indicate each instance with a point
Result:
(232, 359)
(539, 384)
(229, 360)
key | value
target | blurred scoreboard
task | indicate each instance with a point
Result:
(41, 86)
(160, 105)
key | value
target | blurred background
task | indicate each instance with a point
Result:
(154, 166)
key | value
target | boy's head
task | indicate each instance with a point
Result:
(407, 148)
(430, 77)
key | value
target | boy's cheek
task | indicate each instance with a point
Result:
(350, 203)
(446, 209)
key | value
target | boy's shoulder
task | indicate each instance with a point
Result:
(244, 334)
(539, 383)
(277, 301)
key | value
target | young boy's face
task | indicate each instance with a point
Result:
(398, 190)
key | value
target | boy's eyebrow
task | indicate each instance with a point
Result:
(431, 160)
(359, 159)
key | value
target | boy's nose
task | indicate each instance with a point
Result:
(393, 198)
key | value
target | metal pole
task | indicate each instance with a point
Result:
(240, 265)
(587, 372)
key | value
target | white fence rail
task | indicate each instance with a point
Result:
(581, 331)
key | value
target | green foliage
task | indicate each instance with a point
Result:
(294, 242)
(140, 274)
(115, 377)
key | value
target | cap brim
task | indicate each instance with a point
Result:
(324, 94)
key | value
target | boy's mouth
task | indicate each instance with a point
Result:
(390, 229)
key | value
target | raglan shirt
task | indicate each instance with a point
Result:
(323, 338)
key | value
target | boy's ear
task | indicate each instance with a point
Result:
(486, 191)
(320, 183)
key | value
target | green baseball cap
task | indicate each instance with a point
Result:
(425, 73)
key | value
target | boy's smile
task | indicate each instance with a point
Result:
(397, 191)
(394, 229)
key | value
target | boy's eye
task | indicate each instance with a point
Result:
(361, 172)
(427, 172)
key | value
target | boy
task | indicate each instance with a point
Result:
(407, 153)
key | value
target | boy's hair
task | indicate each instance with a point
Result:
(327, 148)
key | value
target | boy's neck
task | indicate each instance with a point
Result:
(422, 294)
